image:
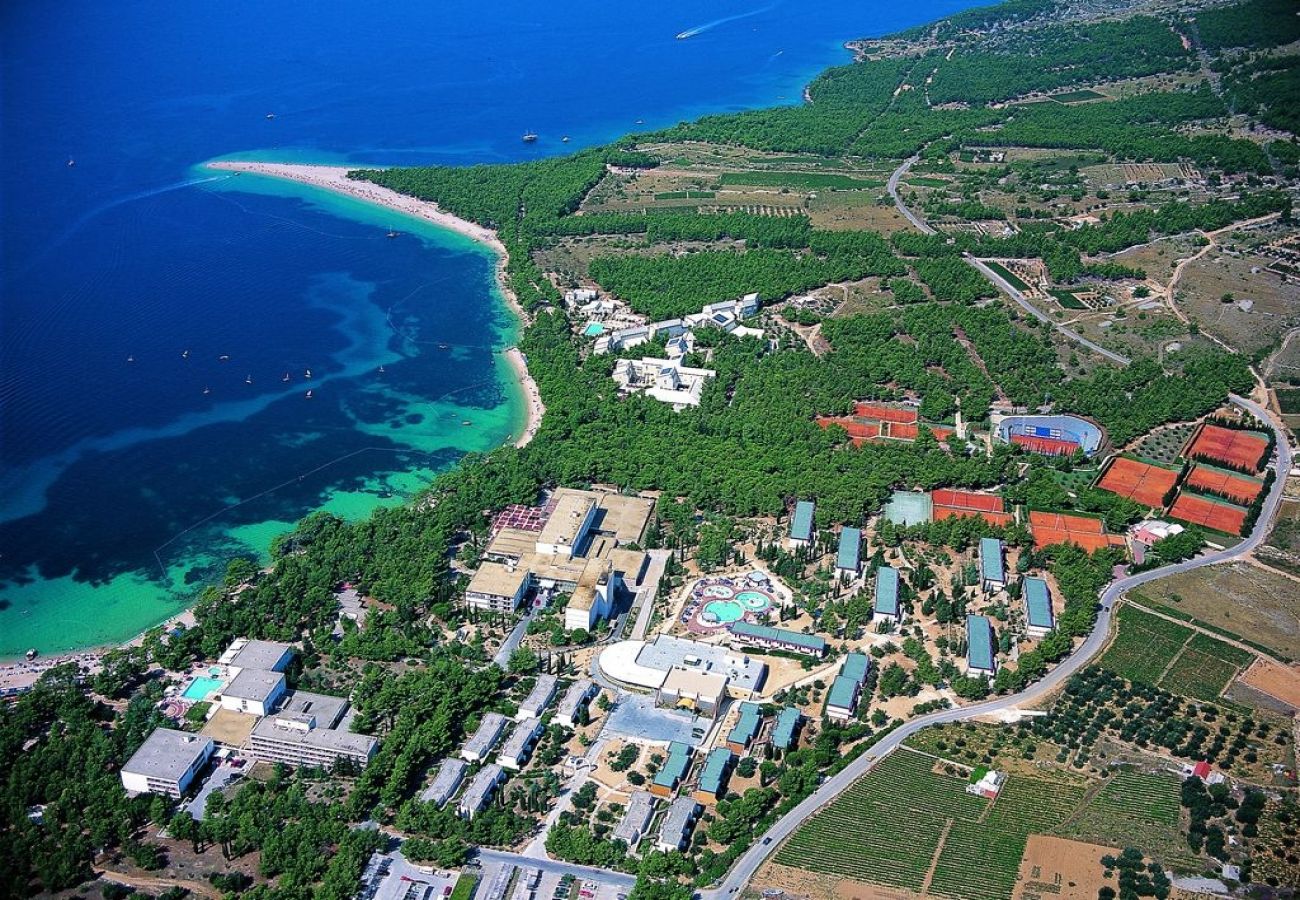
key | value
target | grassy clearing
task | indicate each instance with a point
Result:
(1143, 646)
(1077, 96)
(464, 888)
(1011, 278)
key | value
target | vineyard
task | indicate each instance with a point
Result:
(886, 830)
(1136, 809)
(1205, 668)
(1143, 646)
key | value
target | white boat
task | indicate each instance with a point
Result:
(307, 374)
(309, 395)
(285, 379)
(248, 380)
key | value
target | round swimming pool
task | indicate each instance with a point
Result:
(722, 612)
(718, 591)
(753, 601)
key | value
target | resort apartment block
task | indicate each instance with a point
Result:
(665, 380)
(576, 542)
(307, 731)
(726, 315)
(166, 763)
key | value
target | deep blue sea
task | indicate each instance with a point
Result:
(134, 459)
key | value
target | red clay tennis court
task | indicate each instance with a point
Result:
(1062, 528)
(882, 413)
(1044, 446)
(1216, 514)
(1241, 449)
(947, 503)
(1232, 485)
(1139, 481)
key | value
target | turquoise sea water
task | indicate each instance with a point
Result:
(134, 460)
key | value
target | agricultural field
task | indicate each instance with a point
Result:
(1067, 299)
(1011, 278)
(855, 210)
(1205, 668)
(1144, 645)
(1276, 859)
(814, 181)
(1165, 444)
(955, 845)
(1078, 96)
(1241, 600)
(1136, 809)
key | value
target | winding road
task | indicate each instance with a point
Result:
(998, 281)
(748, 864)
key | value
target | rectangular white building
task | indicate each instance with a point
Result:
(166, 763)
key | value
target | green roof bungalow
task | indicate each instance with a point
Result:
(801, 524)
(856, 666)
(742, 734)
(778, 638)
(993, 566)
(842, 699)
(886, 608)
(849, 557)
(1038, 606)
(786, 732)
(713, 776)
(979, 647)
(673, 770)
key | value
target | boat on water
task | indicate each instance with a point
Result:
(131, 358)
(71, 163)
(565, 139)
(185, 354)
(225, 357)
(206, 391)
(683, 35)
(270, 115)
(285, 379)
(308, 394)
(442, 346)
(248, 380)
(32, 654)
(307, 374)
(381, 370)
(392, 234)
(529, 137)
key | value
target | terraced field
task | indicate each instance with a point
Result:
(886, 830)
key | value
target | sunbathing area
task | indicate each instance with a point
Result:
(1140, 481)
(715, 602)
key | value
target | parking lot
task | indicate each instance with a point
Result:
(389, 876)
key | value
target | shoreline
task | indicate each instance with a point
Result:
(335, 179)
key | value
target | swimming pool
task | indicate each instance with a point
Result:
(722, 612)
(594, 329)
(754, 601)
(718, 591)
(201, 688)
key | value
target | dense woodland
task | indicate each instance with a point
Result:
(748, 450)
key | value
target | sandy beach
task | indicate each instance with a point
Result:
(335, 178)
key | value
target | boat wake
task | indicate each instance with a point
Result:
(709, 26)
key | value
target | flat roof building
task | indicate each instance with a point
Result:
(693, 689)
(517, 749)
(886, 607)
(801, 523)
(993, 568)
(1038, 606)
(980, 659)
(307, 731)
(253, 691)
(713, 775)
(166, 763)
(777, 638)
(497, 587)
(271, 656)
(678, 824)
(856, 666)
(480, 790)
(742, 734)
(849, 556)
(574, 700)
(785, 733)
(636, 818)
(480, 744)
(674, 769)
(538, 698)
(649, 665)
(451, 772)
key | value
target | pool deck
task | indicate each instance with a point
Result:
(726, 590)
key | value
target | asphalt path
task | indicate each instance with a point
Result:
(892, 187)
(1005, 287)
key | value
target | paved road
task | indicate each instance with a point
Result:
(892, 187)
(556, 867)
(748, 864)
(649, 590)
(1005, 287)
